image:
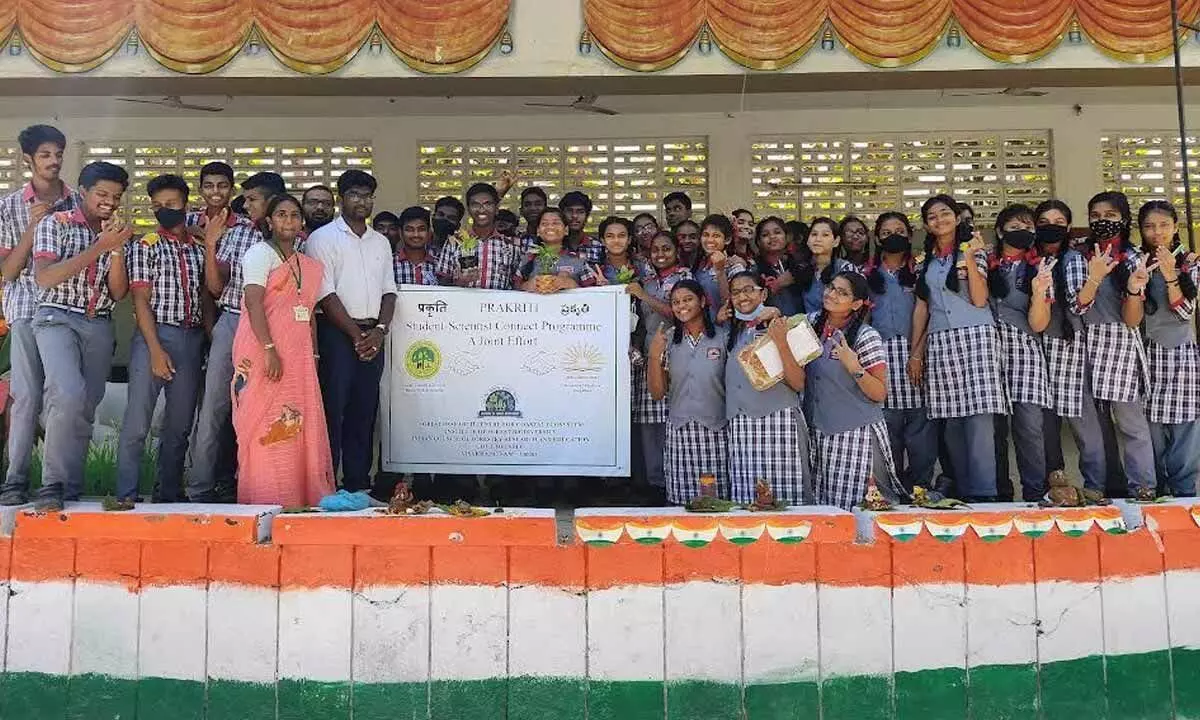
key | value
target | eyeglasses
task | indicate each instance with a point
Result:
(840, 292)
(485, 205)
(745, 291)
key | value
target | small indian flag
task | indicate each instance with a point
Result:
(947, 528)
(902, 527)
(742, 531)
(788, 530)
(1110, 520)
(651, 531)
(1074, 523)
(694, 532)
(1033, 524)
(991, 527)
(1196, 514)
(599, 532)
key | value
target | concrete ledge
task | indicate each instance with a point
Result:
(996, 521)
(149, 522)
(647, 526)
(514, 526)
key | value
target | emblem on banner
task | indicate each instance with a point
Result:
(500, 403)
(423, 360)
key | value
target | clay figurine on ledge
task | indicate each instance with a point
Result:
(1063, 493)
(764, 498)
(707, 501)
(403, 502)
(874, 500)
(934, 500)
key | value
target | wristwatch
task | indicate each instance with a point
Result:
(382, 328)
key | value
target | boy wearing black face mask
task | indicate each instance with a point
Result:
(447, 218)
(166, 278)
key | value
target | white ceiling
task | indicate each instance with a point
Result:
(374, 106)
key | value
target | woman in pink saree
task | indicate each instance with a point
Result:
(283, 444)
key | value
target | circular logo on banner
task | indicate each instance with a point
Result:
(422, 360)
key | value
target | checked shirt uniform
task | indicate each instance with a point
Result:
(410, 273)
(496, 258)
(1117, 367)
(849, 437)
(647, 413)
(696, 443)
(1173, 407)
(768, 436)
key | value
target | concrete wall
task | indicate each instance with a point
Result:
(227, 612)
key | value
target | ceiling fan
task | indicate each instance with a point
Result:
(1023, 92)
(174, 102)
(583, 103)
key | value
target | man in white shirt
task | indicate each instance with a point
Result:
(358, 298)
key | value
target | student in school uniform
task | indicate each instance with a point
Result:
(550, 257)
(687, 241)
(819, 259)
(79, 265)
(413, 263)
(856, 241)
(1106, 281)
(743, 236)
(20, 212)
(955, 348)
(768, 436)
(226, 239)
(166, 278)
(1021, 288)
(1173, 406)
(645, 227)
(1062, 340)
(776, 266)
(892, 280)
(480, 257)
(845, 388)
(649, 415)
(622, 265)
(714, 266)
(688, 368)
(576, 208)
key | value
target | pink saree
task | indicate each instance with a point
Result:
(283, 443)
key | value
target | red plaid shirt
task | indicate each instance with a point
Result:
(239, 235)
(64, 235)
(173, 269)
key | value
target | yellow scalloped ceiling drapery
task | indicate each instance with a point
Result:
(310, 36)
(768, 34)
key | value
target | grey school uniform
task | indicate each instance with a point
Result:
(912, 434)
(850, 439)
(962, 376)
(1174, 403)
(814, 296)
(768, 437)
(1023, 368)
(1117, 368)
(650, 415)
(696, 444)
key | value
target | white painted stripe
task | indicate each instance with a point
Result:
(625, 633)
(930, 623)
(314, 634)
(469, 634)
(1070, 620)
(39, 627)
(104, 635)
(242, 632)
(391, 634)
(703, 632)
(855, 630)
(1183, 589)
(1136, 614)
(780, 632)
(539, 646)
(172, 632)
(1001, 625)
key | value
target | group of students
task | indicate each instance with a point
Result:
(268, 314)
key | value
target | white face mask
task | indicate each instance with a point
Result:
(747, 317)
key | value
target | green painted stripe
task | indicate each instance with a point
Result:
(1074, 689)
(468, 699)
(531, 698)
(96, 696)
(783, 701)
(1186, 664)
(391, 701)
(231, 700)
(1139, 686)
(629, 700)
(931, 694)
(305, 699)
(33, 696)
(865, 697)
(175, 699)
(700, 700)
(1003, 692)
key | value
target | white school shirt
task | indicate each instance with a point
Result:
(358, 269)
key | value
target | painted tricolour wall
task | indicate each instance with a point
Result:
(244, 613)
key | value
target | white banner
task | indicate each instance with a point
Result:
(507, 383)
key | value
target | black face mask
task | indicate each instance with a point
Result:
(1106, 229)
(170, 218)
(443, 227)
(895, 243)
(964, 232)
(1052, 234)
(1020, 239)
